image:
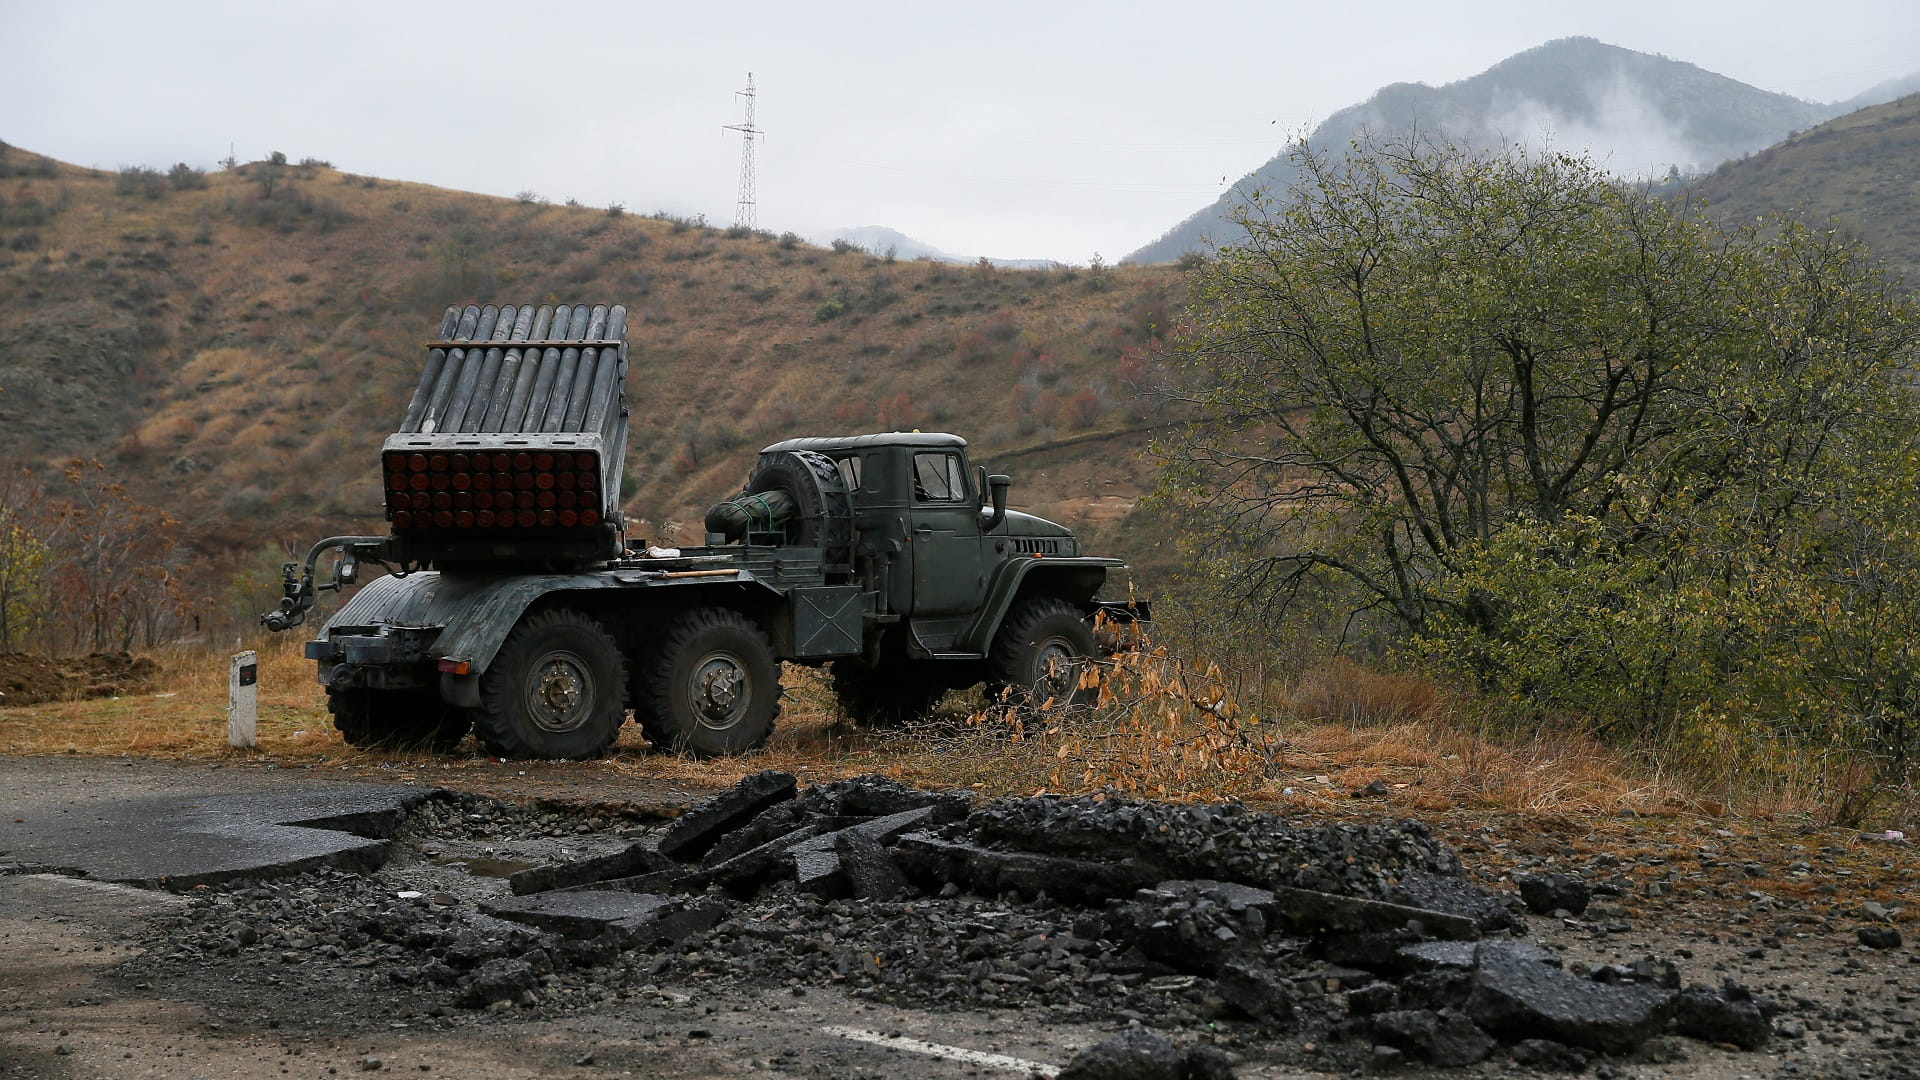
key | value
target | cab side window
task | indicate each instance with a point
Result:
(937, 478)
(849, 472)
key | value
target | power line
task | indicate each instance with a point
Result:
(839, 123)
(1014, 181)
(744, 211)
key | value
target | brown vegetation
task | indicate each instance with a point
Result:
(1164, 728)
(232, 347)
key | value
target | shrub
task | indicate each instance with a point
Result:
(1146, 316)
(897, 413)
(140, 180)
(973, 347)
(1082, 409)
(27, 209)
(185, 177)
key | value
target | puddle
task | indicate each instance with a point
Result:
(482, 867)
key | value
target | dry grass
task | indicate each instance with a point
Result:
(1163, 730)
(1495, 800)
(184, 715)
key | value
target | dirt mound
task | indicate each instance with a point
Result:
(31, 679)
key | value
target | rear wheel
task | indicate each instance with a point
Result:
(554, 690)
(1042, 651)
(891, 694)
(413, 719)
(713, 685)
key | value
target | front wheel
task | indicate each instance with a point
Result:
(1041, 654)
(554, 690)
(714, 685)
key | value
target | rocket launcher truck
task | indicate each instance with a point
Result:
(516, 607)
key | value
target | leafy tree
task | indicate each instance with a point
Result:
(267, 173)
(114, 584)
(24, 560)
(463, 254)
(1565, 438)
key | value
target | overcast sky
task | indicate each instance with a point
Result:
(1019, 130)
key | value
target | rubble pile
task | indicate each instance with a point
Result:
(1367, 941)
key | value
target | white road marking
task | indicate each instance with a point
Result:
(950, 1053)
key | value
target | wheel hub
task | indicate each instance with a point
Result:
(719, 692)
(1058, 669)
(559, 697)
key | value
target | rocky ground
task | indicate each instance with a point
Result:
(726, 941)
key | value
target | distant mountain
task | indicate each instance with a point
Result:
(1857, 170)
(1636, 113)
(1891, 90)
(880, 240)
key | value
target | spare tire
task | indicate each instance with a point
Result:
(823, 510)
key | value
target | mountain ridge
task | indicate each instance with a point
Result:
(1856, 171)
(1640, 113)
(233, 346)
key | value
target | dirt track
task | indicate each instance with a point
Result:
(84, 970)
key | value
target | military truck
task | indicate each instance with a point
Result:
(516, 606)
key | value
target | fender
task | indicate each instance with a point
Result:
(1079, 576)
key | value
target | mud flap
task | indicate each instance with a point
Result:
(462, 691)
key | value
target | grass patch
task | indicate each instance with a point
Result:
(1163, 729)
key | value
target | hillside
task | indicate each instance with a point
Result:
(1637, 112)
(1858, 170)
(234, 346)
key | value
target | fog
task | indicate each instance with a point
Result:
(1003, 128)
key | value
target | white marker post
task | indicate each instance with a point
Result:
(242, 713)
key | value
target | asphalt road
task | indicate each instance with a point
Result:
(84, 842)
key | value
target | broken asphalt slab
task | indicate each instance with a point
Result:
(630, 918)
(693, 832)
(180, 841)
(631, 861)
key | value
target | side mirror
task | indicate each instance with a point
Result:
(997, 485)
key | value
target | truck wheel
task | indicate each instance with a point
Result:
(397, 719)
(714, 685)
(554, 690)
(886, 696)
(1041, 652)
